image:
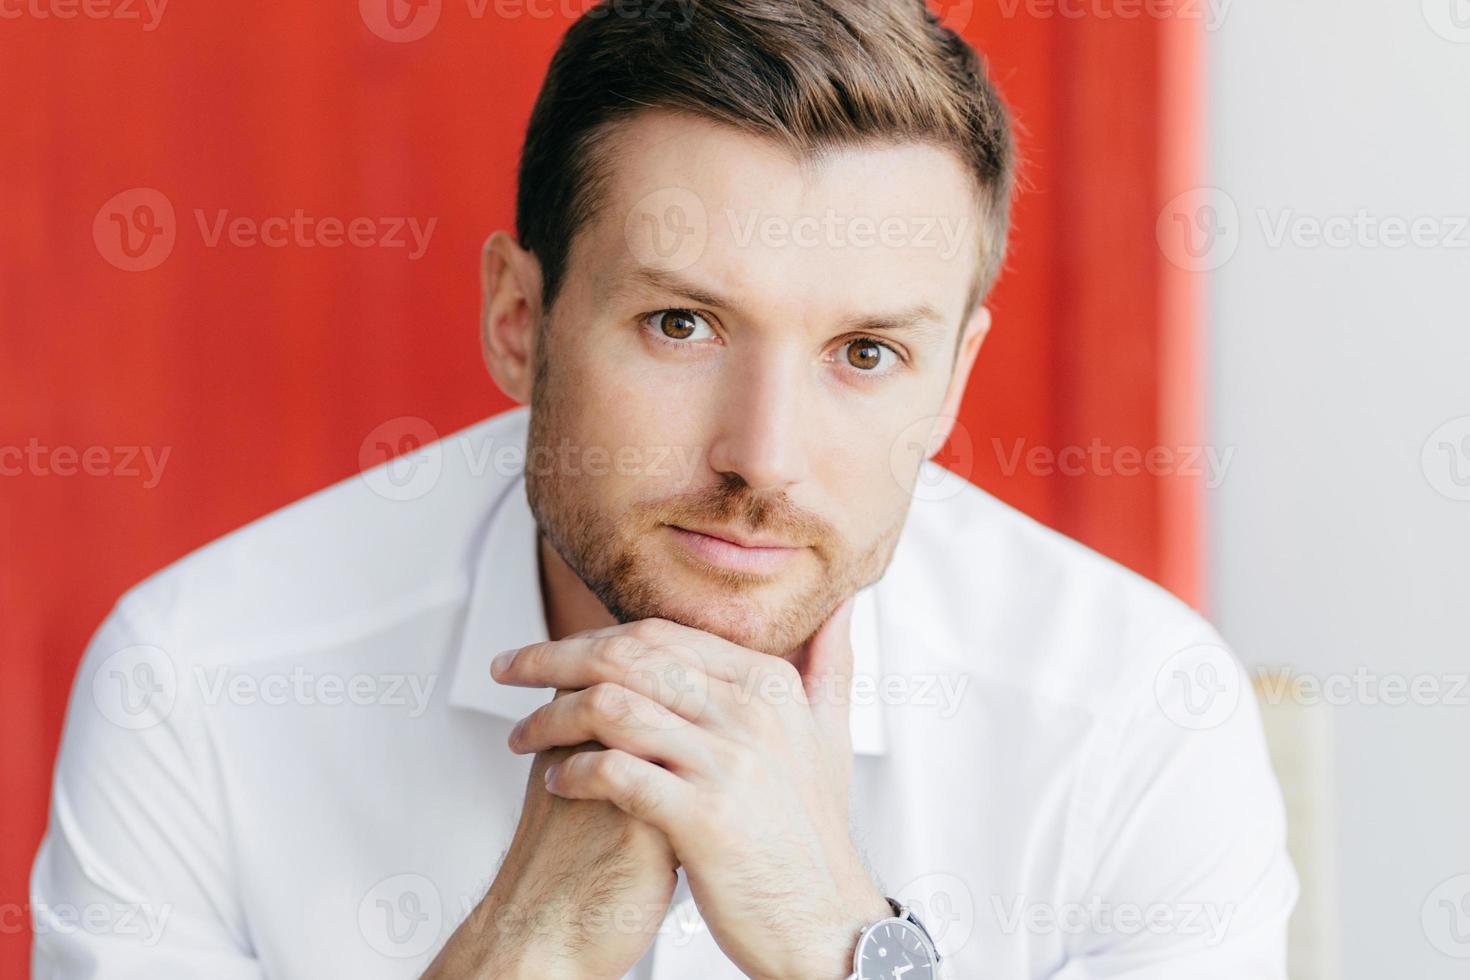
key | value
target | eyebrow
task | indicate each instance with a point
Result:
(671, 282)
(921, 317)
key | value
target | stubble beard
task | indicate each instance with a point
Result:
(610, 554)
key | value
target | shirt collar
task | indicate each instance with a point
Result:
(505, 612)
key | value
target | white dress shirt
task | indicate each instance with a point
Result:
(285, 757)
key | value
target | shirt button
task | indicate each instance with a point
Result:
(691, 923)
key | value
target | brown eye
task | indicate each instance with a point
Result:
(864, 355)
(676, 324)
(671, 326)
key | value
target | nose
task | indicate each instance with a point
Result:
(762, 430)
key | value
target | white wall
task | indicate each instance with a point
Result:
(1334, 546)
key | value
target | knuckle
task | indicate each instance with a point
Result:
(738, 761)
(650, 630)
(608, 768)
(620, 653)
(604, 700)
(777, 683)
(717, 812)
(722, 756)
(631, 706)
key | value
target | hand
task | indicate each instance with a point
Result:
(743, 760)
(580, 895)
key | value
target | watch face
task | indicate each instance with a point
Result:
(895, 950)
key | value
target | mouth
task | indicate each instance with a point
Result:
(735, 552)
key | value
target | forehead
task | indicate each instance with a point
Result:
(860, 228)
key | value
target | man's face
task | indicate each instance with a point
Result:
(732, 387)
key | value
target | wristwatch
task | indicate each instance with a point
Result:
(896, 948)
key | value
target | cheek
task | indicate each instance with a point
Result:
(637, 431)
(863, 477)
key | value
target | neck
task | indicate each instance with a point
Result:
(569, 605)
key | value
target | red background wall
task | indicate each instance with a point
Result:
(260, 370)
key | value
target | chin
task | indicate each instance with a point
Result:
(741, 616)
(739, 622)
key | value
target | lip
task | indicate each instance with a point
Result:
(731, 552)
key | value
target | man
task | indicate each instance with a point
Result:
(762, 666)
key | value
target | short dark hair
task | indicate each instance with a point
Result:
(809, 74)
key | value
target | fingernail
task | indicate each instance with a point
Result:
(502, 661)
(551, 772)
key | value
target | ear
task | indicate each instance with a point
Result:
(510, 309)
(974, 333)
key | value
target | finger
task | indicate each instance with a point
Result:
(675, 675)
(617, 718)
(826, 673)
(636, 786)
(721, 659)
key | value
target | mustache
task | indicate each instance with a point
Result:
(732, 503)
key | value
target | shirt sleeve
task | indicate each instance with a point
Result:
(134, 878)
(1190, 877)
